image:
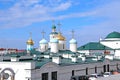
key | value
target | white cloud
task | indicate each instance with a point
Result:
(21, 15)
(110, 22)
(76, 15)
(28, 3)
(26, 12)
(62, 7)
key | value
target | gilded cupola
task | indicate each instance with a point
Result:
(60, 37)
(30, 41)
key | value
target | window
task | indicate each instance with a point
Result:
(44, 76)
(63, 46)
(54, 75)
(45, 47)
(108, 68)
(104, 68)
(95, 69)
(117, 66)
(42, 53)
(86, 71)
(72, 72)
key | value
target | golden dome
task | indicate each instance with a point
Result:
(30, 42)
(60, 37)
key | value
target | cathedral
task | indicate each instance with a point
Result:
(53, 61)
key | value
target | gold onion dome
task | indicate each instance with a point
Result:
(60, 37)
(30, 42)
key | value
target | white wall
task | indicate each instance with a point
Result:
(21, 69)
(112, 44)
(73, 47)
(117, 53)
(61, 43)
(84, 51)
(54, 47)
(43, 47)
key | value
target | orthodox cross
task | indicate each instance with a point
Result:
(59, 25)
(73, 33)
(53, 22)
(43, 33)
(30, 35)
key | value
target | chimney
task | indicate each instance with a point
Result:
(56, 58)
(15, 58)
(83, 58)
(74, 58)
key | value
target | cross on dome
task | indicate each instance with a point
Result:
(73, 33)
(59, 25)
(43, 33)
(30, 34)
(53, 21)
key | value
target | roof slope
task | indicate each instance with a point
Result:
(93, 46)
(113, 35)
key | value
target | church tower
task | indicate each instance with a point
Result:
(73, 43)
(53, 34)
(43, 44)
(61, 39)
(30, 44)
(54, 45)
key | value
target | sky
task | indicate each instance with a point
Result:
(90, 19)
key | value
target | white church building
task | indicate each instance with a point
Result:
(53, 61)
(110, 46)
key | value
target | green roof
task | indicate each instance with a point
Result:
(42, 62)
(66, 52)
(113, 35)
(55, 55)
(15, 55)
(93, 46)
(53, 27)
(53, 33)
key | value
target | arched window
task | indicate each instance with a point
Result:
(63, 46)
(45, 47)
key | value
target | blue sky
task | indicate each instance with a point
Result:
(90, 19)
